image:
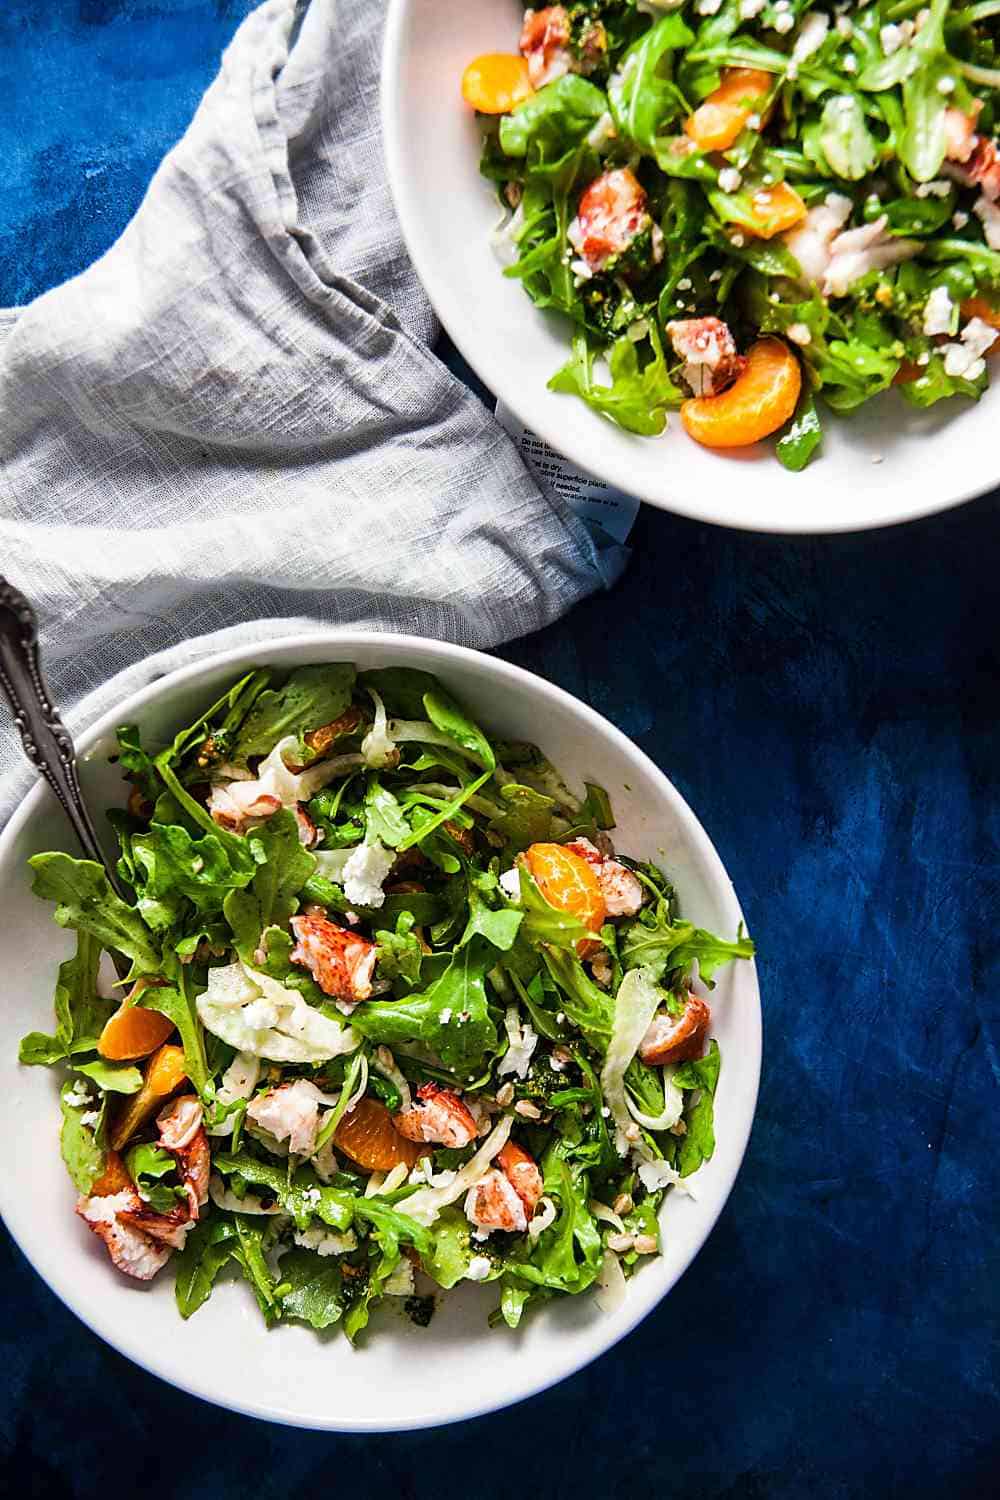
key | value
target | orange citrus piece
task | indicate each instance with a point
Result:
(717, 122)
(776, 209)
(569, 883)
(367, 1135)
(133, 1032)
(978, 307)
(114, 1178)
(165, 1072)
(758, 403)
(495, 82)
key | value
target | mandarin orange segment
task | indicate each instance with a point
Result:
(757, 404)
(367, 1135)
(978, 307)
(776, 209)
(165, 1072)
(133, 1032)
(569, 883)
(717, 122)
(495, 82)
(113, 1179)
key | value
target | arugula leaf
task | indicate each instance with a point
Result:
(136, 763)
(225, 717)
(451, 1248)
(526, 817)
(698, 1142)
(401, 689)
(37, 1049)
(796, 446)
(113, 1077)
(545, 125)
(544, 923)
(451, 1016)
(845, 138)
(178, 1007)
(383, 816)
(248, 1250)
(80, 1012)
(638, 396)
(401, 953)
(170, 861)
(78, 1142)
(207, 1248)
(568, 1255)
(656, 942)
(643, 96)
(497, 926)
(450, 717)
(282, 869)
(86, 901)
(312, 1288)
(589, 1008)
(312, 697)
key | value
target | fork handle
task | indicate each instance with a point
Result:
(46, 740)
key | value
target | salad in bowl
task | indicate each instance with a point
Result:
(752, 209)
(388, 1012)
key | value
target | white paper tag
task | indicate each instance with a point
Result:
(594, 501)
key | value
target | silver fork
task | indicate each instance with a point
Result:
(47, 742)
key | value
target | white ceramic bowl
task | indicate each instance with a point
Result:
(405, 1377)
(885, 464)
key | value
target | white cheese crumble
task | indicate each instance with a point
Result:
(79, 1096)
(799, 334)
(964, 361)
(783, 22)
(751, 8)
(938, 312)
(730, 181)
(988, 215)
(325, 1242)
(811, 35)
(892, 38)
(479, 1268)
(360, 870)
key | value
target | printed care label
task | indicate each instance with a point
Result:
(595, 502)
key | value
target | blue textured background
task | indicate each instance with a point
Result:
(830, 708)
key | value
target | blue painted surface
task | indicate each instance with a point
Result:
(830, 708)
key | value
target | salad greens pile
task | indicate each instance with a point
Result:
(373, 1010)
(886, 111)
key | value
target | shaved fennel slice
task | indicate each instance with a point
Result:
(386, 1064)
(636, 1004)
(426, 1203)
(610, 1288)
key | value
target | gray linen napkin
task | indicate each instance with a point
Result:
(233, 417)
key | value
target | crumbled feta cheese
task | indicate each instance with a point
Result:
(602, 132)
(988, 215)
(923, 359)
(79, 1096)
(878, 458)
(959, 219)
(90, 1117)
(811, 35)
(730, 181)
(365, 871)
(510, 883)
(325, 1242)
(737, 240)
(964, 361)
(479, 1268)
(751, 8)
(799, 334)
(937, 189)
(399, 1282)
(892, 39)
(783, 22)
(715, 276)
(946, 86)
(845, 26)
(850, 64)
(938, 312)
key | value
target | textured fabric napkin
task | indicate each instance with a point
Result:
(233, 416)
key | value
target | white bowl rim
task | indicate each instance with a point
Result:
(516, 397)
(739, 1125)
